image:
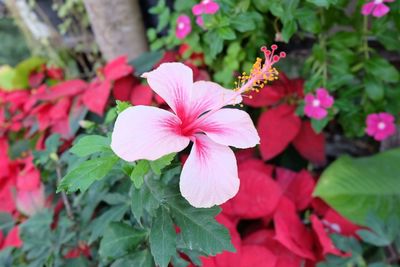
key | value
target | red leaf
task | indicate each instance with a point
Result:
(291, 232)
(337, 223)
(122, 88)
(259, 256)
(35, 79)
(117, 68)
(298, 187)
(277, 127)
(310, 145)
(55, 73)
(258, 195)
(67, 88)
(141, 95)
(96, 96)
(13, 239)
(326, 244)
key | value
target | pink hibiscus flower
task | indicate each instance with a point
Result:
(376, 7)
(316, 106)
(209, 176)
(380, 125)
(183, 26)
(205, 7)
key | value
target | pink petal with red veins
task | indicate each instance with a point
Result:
(143, 132)
(173, 82)
(230, 127)
(209, 176)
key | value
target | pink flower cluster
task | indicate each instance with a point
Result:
(380, 125)
(316, 106)
(183, 24)
(376, 7)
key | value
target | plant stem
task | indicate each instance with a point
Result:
(64, 196)
(324, 65)
(365, 37)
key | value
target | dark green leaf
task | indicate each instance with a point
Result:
(90, 144)
(119, 239)
(374, 88)
(162, 238)
(141, 168)
(138, 259)
(146, 61)
(319, 125)
(289, 28)
(86, 173)
(199, 229)
(382, 69)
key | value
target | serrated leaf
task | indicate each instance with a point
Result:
(138, 259)
(162, 238)
(87, 173)
(199, 229)
(90, 144)
(99, 224)
(373, 238)
(355, 187)
(119, 239)
(161, 163)
(141, 168)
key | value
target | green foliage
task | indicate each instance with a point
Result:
(355, 187)
(13, 48)
(90, 144)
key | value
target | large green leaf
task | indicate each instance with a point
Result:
(138, 259)
(90, 144)
(355, 187)
(162, 238)
(87, 173)
(199, 229)
(119, 239)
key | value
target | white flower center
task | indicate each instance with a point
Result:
(316, 103)
(377, 2)
(381, 125)
(181, 25)
(205, 2)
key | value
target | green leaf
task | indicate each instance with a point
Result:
(146, 61)
(86, 173)
(319, 125)
(355, 187)
(381, 233)
(322, 3)
(138, 259)
(162, 238)
(226, 33)
(199, 229)
(139, 171)
(90, 144)
(119, 239)
(382, 69)
(122, 105)
(98, 225)
(243, 23)
(161, 163)
(23, 69)
(308, 20)
(374, 88)
(215, 43)
(289, 28)
(7, 75)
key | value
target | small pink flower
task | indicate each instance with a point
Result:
(200, 21)
(205, 7)
(316, 106)
(209, 176)
(376, 7)
(380, 125)
(183, 26)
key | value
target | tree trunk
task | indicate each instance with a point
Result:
(118, 27)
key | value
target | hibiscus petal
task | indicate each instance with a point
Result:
(209, 95)
(173, 82)
(143, 132)
(230, 127)
(209, 176)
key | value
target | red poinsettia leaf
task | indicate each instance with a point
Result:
(13, 239)
(257, 164)
(319, 206)
(67, 88)
(29, 177)
(117, 68)
(337, 223)
(122, 88)
(252, 255)
(297, 88)
(35, 79)
(55, 73)
(96, 96)
(290, 231)
(298, 187)
(60, 109)
(258, 195)
(310, 144)
(244, 154)
(277, 127)
(141, 95)
(7, 203)
(326, 244)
